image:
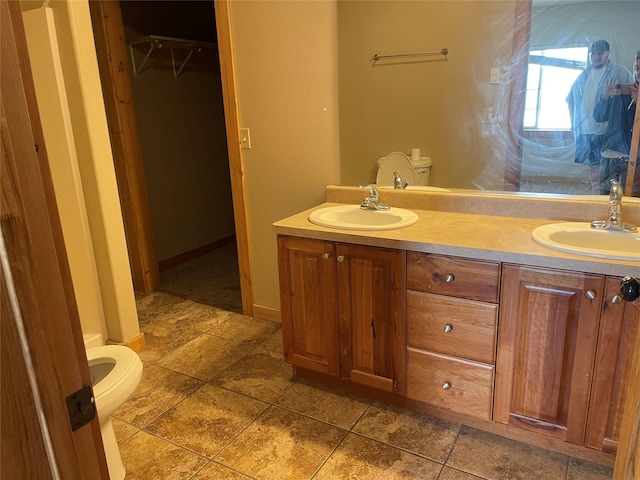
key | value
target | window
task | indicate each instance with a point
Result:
(550, 76)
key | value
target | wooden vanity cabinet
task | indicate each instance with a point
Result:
(372, 316)
(343, 310)
(614, 352)
(452, 314)
(308, 303)
(546, 350)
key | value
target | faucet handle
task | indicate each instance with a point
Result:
(616, 191)
(373, 191)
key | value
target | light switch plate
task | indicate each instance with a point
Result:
(494, 77)
(245, 139)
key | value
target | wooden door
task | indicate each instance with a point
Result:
(546, 350)
(42, 354)
(618, 329)
(372, 316)
(307, 270)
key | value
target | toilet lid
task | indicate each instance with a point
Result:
(395, 162)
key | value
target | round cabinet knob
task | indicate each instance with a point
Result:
(325, 256)
(448, 327)
(590, 294)
(616, 299)
(341, 258)
(630, 289)
(446, 385)
(449, 278)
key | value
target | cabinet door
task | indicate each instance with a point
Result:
(307, 271)
(546, 347)
(372, 310)
(618, 329)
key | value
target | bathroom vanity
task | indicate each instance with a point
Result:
(466, 317)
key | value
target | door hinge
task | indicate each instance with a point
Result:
(82, 407)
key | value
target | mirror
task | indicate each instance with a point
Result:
(466, 109)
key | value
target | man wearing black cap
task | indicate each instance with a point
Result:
(582, 98)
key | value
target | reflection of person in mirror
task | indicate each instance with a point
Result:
(585, 92)
(617, 107)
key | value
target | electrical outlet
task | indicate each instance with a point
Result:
(245, 139)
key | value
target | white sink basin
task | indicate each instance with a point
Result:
(352, 217)
(580, 238)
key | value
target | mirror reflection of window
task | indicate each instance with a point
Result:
(551, 73)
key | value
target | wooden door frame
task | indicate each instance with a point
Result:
(41, 312)
(111, 50)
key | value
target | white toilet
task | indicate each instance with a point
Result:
(115, 373)
(416, 170)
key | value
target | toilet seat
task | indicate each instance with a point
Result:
(395, 162)
(119, 383)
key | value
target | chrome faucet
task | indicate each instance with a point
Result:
(371, 202)
(398, 184)
(614, 218)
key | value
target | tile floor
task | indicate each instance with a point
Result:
(217, 401)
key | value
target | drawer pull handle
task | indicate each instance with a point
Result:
(446, 385)
(325, 256)
(448, 327)
(340, 258)
(590, 294)
(616, 299)
(449, 278)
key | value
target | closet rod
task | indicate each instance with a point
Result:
(443, 52)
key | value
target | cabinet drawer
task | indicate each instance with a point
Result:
(470, 384)
(455, 326)
(459, 277)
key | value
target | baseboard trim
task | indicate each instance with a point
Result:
(137, 344)
(196, 252)
(266, 313)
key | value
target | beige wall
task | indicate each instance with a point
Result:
(95, 164)
(285, 54)
(437, 104)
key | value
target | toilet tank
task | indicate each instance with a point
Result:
(422, 170)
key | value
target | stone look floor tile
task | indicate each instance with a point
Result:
(497, 458)
(273, 342)
(199, 317)
(449, 473)
(123, 430)
(241, 328)
(146, 457)
(362, 458)
(161, 338)
(260, 374)
(159, 390)
(415, 431)
(583, 470)
(207, 420)
(203, 357)
(158, 305)
(281, 445)
(323, 403)
(215, 471)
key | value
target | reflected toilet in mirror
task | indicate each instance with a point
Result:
(414, 171)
